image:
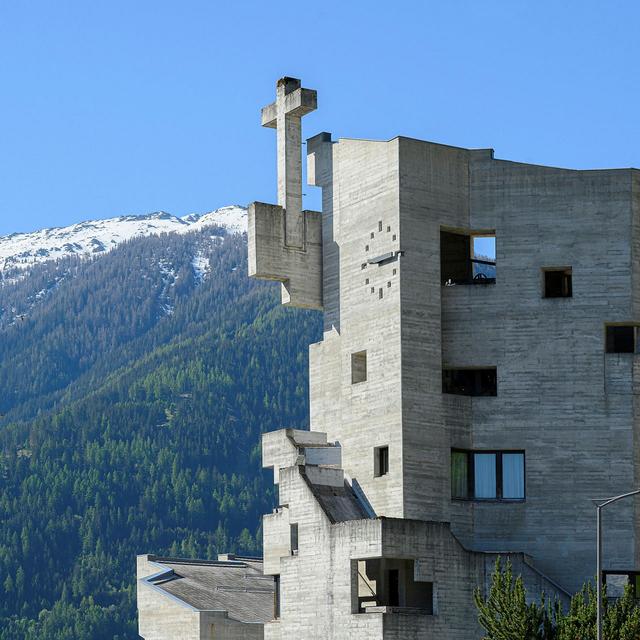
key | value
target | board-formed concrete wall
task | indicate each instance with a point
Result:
(571, 407)
(560, 398)
(319, 581)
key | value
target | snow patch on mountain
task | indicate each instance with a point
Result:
(96, 237)
(200, 265)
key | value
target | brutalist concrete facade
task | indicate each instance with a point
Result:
(374, 261)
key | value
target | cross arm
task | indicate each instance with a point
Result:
(297, 103)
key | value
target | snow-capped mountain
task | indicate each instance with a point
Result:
(95, 237)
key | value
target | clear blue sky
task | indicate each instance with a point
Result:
(109, 107)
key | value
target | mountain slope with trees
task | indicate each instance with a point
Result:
(135, 389)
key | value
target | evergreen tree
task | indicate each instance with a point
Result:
(130, 422)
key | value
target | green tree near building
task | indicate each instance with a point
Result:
(505, 614)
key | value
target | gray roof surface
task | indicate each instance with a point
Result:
(238, 587)
(339, 503)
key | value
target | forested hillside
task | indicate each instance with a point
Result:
(133, 391)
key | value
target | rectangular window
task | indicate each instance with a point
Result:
(467, 258)
(487, 475)
(294, 539)
(381, 461)
(513, 476)
(558, 283)
(470, 382)
(358, 367)
(483, 259)
(459, 474)
(621, 338)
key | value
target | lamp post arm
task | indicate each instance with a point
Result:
(608, 501)
(599, 507)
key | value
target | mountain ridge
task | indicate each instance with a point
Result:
(125, 428)
(21, 251)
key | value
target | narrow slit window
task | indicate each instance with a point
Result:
(276, 598)
(558, 283)
(621, 338)
(294, 539)
(358, 367)
(381, 461)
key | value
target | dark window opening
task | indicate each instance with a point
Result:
(558, 283)
(389, 582)
(393, 578)
(359, 367)
(276, 598)
(470, 382)
(487, 475)
(294, 539)
(467, 258)
(618, 580)
(621, 338)
(381, 461)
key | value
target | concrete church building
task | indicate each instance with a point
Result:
(474, 390)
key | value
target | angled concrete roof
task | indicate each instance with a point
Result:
(338, 503)
(236, 586)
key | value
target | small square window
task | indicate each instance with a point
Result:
(393, 237)
(366, 281)
(366, 248)
(381, 461)
(358, 367)
(388, 284)
(363, 265)
(372, 235)
(388, 229)
(395, 271)
(558, 283)
(621, 338)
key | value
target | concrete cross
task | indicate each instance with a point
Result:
(285, 115)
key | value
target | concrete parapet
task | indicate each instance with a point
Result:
(270, 258)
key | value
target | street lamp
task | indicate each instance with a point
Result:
(599, 507)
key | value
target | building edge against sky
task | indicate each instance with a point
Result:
(463, 405)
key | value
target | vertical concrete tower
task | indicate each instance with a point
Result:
(475, 386)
